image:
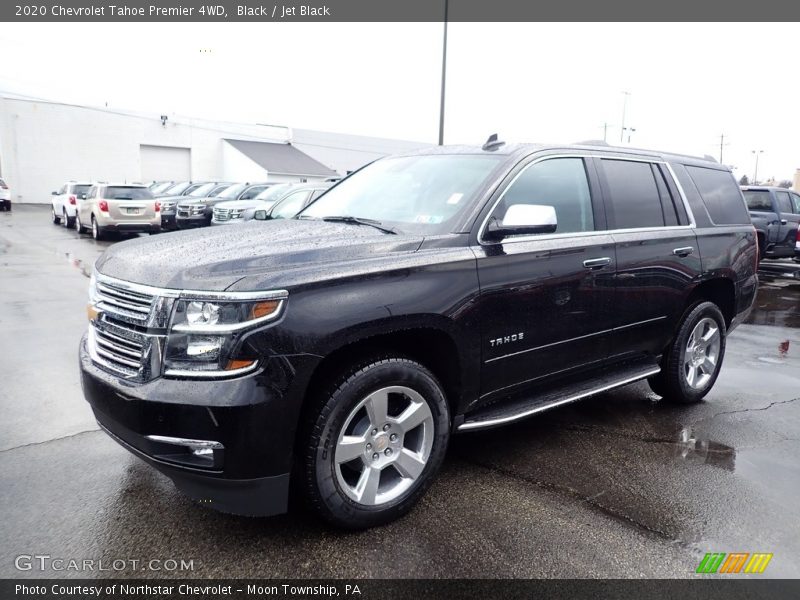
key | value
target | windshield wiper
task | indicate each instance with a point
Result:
(359, 221)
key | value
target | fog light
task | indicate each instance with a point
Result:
(204, 347)
(204, 452)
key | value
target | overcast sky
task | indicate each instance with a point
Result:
(526, 81)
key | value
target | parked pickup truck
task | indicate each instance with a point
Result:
(775, 213)
(433, 293)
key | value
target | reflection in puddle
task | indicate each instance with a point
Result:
(77, 263)
(778, 301)
(711, 453)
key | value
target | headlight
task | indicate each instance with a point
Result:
(205, 336)
(91, 309)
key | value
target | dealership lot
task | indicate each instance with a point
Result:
(618, 485)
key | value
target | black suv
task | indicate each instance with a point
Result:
(444, 291)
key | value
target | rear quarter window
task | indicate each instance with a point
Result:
(721, 195)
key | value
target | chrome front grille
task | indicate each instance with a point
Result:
(117, 349)
(118, 299)
(221, 214)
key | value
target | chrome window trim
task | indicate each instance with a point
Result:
(550, 236)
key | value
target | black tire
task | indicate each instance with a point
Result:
(672, 382)
(97, 231)
(68, 221)
(78, 225)
(322, 485)
(56, 219)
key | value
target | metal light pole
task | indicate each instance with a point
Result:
(624, 107)
(755, 171)
(444, 75)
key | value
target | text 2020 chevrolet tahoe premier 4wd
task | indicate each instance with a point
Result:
(437, 292)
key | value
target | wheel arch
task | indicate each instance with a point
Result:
(719, 290)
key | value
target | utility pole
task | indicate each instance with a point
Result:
(605, 131)
(721, 144)
(624, 107)
(755, 171)
(444, 76)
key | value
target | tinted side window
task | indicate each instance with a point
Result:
(796, 202)
(558, 182)
(784, 203)
(634, 198)
(720, 194)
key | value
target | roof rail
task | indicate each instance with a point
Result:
(593, 143)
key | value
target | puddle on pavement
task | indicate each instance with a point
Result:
(778, 301)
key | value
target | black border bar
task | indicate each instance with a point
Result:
(396, 11)
(705, 587)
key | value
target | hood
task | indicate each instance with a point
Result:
(241, 203)
(216, 258)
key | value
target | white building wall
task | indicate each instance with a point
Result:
(343, 152)
(43, 144)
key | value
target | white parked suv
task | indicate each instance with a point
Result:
(5, 196)
(65, 202)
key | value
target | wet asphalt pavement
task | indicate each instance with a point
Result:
(619, 485)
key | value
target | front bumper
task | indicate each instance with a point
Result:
(168, 221)
(251, 420)
(192, 221)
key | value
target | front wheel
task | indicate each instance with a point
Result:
(692, 363)
(376, 442)
(78, 225)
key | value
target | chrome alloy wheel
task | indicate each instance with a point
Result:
(700, 359)
(384, 445)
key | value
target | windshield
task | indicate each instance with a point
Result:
(203, 190)
(233, 192)
(160, 187)
(273, 193)
(415, 191)
(178, 188)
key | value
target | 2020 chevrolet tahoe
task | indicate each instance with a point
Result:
(443, 291)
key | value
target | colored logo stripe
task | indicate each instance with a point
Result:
(714, 562)
(758, 562)
(711, 562)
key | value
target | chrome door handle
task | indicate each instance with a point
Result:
(683, 251)
(597, 263)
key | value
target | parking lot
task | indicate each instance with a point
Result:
(619, 485)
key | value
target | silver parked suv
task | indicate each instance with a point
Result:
(122, 207)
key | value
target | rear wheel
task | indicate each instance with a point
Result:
(692, 363)
(97, 232)
(375, 443)
(54, 216)
(67, 220)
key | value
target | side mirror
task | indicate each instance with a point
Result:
(260, 215)
(54, 193)
(523, 219)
